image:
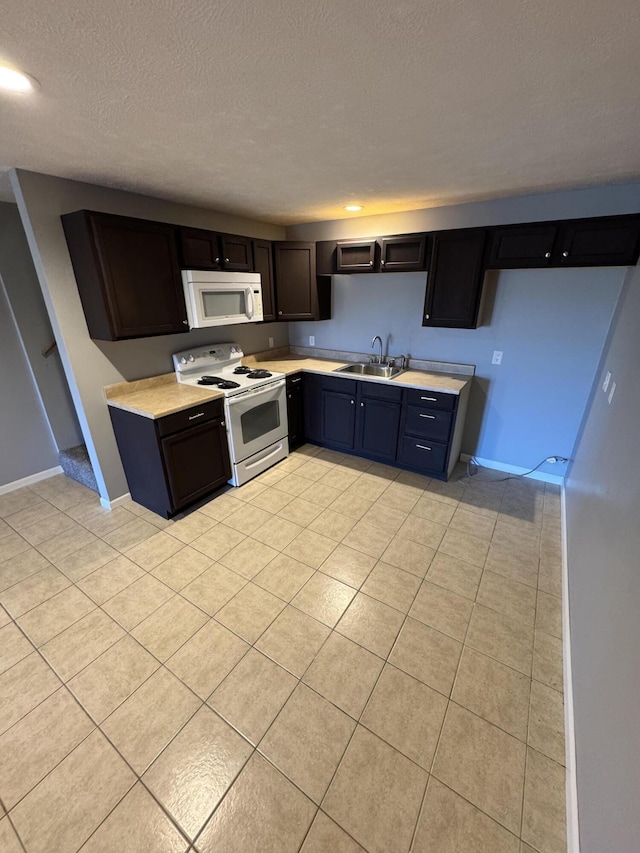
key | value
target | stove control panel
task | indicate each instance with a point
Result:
(220, 355)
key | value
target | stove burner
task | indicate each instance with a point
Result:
(242, 369)
(259, 374)
(223, 384)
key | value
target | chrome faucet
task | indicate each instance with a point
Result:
(377, 359)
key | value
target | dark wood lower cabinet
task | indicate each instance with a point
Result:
(418, 430)
(174, 461)
(295, 410)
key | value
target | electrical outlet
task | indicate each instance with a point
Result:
(497, 357)
(612, 392)
(312, 340)
(270, 343)
(607, 379)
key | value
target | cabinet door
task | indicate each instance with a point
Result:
(356, 256)
(128, 275)
(338, 420)
(263, 263)
(312, 403)
(199, 249)
(610, 241)
(378, 426)
(236, 253)
(196, 461)
(454, 283)
(296, 287)
(404, 253)
(295, 411)
(522, 246)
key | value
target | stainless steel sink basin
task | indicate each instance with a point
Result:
(382, 371)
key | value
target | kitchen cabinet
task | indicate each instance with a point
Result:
(312, 407)
(236, 253)
(522, 246)
(263, 263)
(403, 253)
(338, 413)
(128, 275)
(199, 249)
(356, 256)
(209, 250)
(454, 282)
(325, 257)
(173, 461)
(295, 410)
(608, 241)
(301, 294)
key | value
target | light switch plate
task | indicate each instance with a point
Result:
(607, 379)
(612, 392)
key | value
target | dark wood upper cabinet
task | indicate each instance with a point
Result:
(326, 257)
(404, 253)
(356, 256)
(199, 249)
(128, 275)
(522, 246)
(236, 253)
(263, 263)
(300, 293)
(454, 283)
(609, 241)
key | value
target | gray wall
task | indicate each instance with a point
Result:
(26, 442)
(90, 365)
(603, 536)
(29, 310)
(550, 325)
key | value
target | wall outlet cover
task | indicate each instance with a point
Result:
(312, 340)
(270, 343)
(497, 357)
(607, 379)
(612, 392)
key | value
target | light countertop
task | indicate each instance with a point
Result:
(162, 395)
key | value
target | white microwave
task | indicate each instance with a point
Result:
(222, 298)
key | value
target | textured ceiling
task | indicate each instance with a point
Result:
(286, 110)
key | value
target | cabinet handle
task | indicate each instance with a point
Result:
(226, 260)
(426, 316)
(280, 313)
(290, 396)
(370, 263)
(547, 254)
(382, 262)
(431, 417)
(222, 423)
(565, 254)
(423, 447)
(362, 405)
(430, 399)
(193, 417)
(217, 260)
(185, 322)
(296, 380)
(353, 402)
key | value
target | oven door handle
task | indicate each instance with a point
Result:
(250, 305)
(250, 395)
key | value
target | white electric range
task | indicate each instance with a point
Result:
(255, 405)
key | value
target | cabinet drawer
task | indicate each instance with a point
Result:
(340, 386)
(420, 453)
(294, 381)
(191, 417)
(380, 391)
(428, 423)
(431, 399)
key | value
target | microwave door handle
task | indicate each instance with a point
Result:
(250, 308)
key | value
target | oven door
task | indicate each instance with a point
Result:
(256, 419)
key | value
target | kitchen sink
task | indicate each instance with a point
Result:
(382, 371)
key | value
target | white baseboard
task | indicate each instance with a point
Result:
(573, 830)
(27, 481)
(556, 479)
(123, 499)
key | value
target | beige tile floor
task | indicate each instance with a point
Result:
(335, 657)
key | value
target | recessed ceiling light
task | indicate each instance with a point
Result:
(353, 208)
(15, 81)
